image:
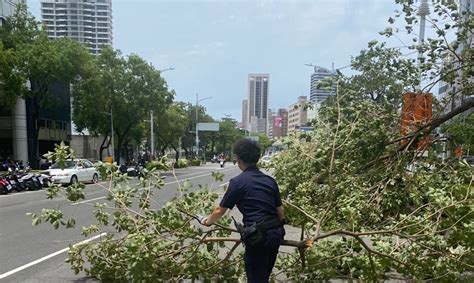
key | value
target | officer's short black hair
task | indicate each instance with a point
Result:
(247, 150)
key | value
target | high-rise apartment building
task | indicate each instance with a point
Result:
(245, 113)
(297, 115)
(86, 21)
(8, 7)
(258, 89)
(452, 92)
(319, 93)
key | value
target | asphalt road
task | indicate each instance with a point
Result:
(37, 254)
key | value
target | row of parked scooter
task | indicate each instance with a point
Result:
(18, 180)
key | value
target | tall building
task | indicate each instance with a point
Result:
(258, 89)
(8, 7)
(277, 125)
(319, 93)
(245, 113)
(452, 92)
(297, 114)
(86, 21)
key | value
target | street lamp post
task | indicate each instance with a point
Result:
(112, 133)
(152, 138)
(168, 69)
(152, 134)
(197, 118)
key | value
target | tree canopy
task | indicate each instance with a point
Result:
(127, 86)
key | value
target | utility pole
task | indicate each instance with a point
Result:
(152, 138)
(197, 118)
(197, 135)
(112, 133)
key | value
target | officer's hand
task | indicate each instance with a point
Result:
(202, 220)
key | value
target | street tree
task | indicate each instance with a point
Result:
(225, 137)
(382, 74)
(126, 87)
(12, 79)
(171, 126)
(461, 131)
(189, 138)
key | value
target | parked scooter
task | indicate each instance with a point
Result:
(31, 182)
(16, 182)
(5, 187)
(45, 179)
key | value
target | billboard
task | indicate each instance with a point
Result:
(211, 127)
(278, 122)
(417, 110)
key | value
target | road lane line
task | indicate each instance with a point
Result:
(42, 190)
(169, 183)
(18, 269)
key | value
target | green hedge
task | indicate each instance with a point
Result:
(195, 162)
(158, 165)
(182, 163)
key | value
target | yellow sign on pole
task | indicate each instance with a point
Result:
(417, 110)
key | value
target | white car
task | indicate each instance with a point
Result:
(266, 159)
(73, 171)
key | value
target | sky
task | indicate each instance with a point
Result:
(214, 45)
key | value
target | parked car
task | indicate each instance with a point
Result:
(73, 171)
(266, 159)
(469, 159)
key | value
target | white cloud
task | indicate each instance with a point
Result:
(202, 50)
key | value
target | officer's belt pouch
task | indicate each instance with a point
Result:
(252, 235)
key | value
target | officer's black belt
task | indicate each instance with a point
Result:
(269, 224)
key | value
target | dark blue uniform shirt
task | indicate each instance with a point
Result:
(255, 194)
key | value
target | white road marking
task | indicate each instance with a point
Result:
(169, 183)
(42, 190)
(18, 269)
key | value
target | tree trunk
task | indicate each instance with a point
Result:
(120, 141)
(103, 146)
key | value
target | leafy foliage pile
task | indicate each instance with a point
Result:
(144, 240)
(373, 219)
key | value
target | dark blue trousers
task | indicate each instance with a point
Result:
(259, 260)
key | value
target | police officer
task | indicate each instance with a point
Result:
(257, 197)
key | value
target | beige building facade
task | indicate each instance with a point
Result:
(297, 114)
